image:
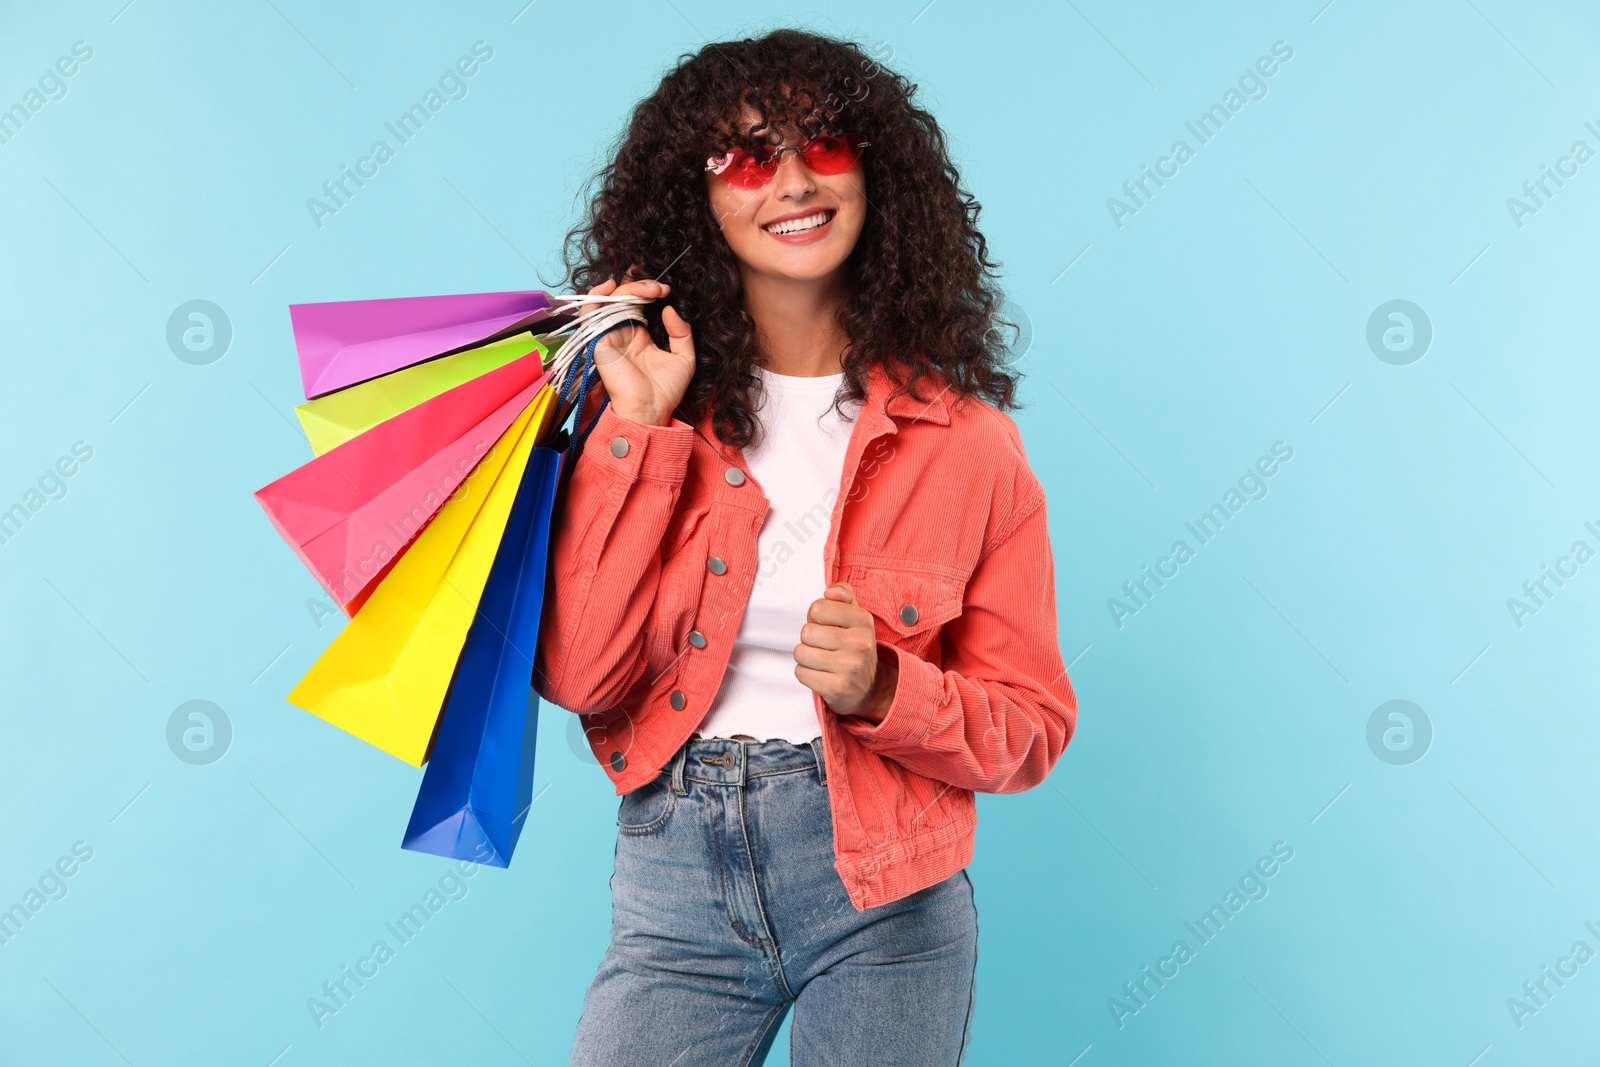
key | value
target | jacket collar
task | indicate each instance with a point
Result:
(935, 409)
(879, 407)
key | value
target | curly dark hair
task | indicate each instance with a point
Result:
(923, 290)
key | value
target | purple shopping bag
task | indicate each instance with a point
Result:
(343, 342)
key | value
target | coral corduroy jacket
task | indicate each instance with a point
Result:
(939, 526)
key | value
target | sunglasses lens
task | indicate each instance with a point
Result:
(832, 155)
(744, 170)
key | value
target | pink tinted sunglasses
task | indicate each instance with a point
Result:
(751, 169)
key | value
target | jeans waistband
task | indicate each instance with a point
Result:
(730, 761)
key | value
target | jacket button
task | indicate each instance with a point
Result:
(716, 565)
(697, 639)
(908, 614)
(617, 761)
(619, 446)
(734, 476)
(678, 700)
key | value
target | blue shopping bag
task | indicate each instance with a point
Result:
(478, 784)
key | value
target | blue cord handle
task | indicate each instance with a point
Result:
(588, 373)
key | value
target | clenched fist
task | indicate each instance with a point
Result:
(838, 657)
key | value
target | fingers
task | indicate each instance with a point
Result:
(821, 636)
(837, 612)
(679, 335)
(833, 624)
(648, 288)
(819, 660)
(603, 289)
(614, 344)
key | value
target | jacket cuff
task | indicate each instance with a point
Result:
(656, 453)
(917, 691)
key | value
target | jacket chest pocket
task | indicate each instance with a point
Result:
(910, 606)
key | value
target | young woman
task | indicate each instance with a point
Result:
(802, 592)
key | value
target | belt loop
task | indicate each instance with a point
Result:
(677, 769)
(822, 769)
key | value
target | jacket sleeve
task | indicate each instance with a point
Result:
(606, 561)
(997, 716)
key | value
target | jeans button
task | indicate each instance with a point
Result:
(733, 476)
(697, 639)
(619, 446)
(678, 700)
(716, 565)
(908, 614)
(618, 761)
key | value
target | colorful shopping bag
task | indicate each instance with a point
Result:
(478, 784)
(385, 676)
(351, 512)
(343, 342)
(332, 420)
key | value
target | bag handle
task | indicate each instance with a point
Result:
(608, 313)
(586, 329)
(589, 372)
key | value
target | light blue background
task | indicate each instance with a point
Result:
(1228, 714)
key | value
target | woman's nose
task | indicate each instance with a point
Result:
(794, 177)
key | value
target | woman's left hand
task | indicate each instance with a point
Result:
(837, 657)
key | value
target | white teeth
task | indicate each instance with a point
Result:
(810, 222)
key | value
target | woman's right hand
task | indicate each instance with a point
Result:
(645, 383)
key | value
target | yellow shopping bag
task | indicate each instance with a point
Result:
(331, 420)
(385, 676)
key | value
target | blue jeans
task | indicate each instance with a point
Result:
(727, 911)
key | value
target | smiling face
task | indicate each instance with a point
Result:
(800, 225)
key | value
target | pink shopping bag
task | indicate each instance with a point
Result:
(353, 510)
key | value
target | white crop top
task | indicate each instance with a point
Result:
(798, 465)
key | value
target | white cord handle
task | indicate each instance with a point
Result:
(586, 325)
